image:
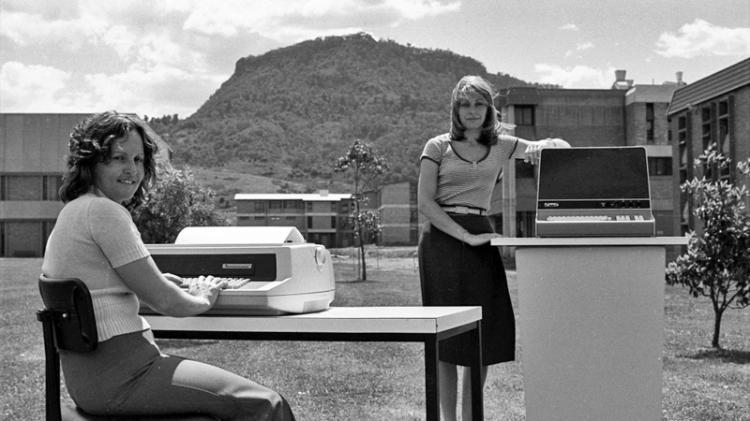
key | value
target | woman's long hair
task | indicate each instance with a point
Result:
(477, 85)
(90, 143)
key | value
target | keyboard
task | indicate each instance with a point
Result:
(635, 224)
(594, 218)
(231, 283)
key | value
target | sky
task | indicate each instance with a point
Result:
(166, 57)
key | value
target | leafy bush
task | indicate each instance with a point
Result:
(717, 262)
(176, 201)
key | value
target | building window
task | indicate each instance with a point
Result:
(260, 206)
(706, 126)
(51, 187)
(275, 204)
(333, 222)
(309, 222)
(649, 122)
(23, 187)
(523, 115)
(724, 141)
(659, 166)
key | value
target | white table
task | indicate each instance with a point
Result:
(591, 321)
(429, 325)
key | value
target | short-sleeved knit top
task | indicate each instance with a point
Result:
(462, 182)
(94, 235)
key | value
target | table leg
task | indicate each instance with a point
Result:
(477, 409)
(432, 397)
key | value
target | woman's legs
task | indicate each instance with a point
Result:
(127, 375)
(175, 385)
(447, 382)
(466, 400)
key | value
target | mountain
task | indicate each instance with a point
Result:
(289, 113)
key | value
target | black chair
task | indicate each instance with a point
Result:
(68, 323)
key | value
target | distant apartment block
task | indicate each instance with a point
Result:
(715, 109)
(32, 153)
(322, 217)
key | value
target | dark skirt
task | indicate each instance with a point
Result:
(453, 273)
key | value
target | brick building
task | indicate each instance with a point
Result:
(715, 109)
(32, 152)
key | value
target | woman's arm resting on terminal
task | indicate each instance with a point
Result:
(530, 150)
(162, 294)
(426, 188)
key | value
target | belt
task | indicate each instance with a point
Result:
(464, 210)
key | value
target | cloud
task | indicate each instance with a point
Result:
(30, 87)
(581, 46)
(160, 90)
(168, 56)
(569, 27)
(294, 20)
(702, 38)
(584, 77)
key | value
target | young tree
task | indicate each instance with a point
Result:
(367, 167)
(717, 262)
(175, 201)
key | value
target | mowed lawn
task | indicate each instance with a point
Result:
(385, 381)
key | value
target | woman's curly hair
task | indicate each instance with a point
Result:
(91, 142)
(476, 85)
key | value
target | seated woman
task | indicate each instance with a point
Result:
(109, 168)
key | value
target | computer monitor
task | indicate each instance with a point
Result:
(590, 176)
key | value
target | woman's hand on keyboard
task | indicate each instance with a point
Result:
(207, 286)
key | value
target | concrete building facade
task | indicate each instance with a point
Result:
(715, 109)
(32, 153)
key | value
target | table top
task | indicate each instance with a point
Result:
(402, 319)
(587, 241)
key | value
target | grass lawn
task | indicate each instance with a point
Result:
(385, 381)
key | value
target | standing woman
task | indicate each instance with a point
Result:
(109, 168)
(457, 265)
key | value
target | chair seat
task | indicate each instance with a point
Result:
(75, 414)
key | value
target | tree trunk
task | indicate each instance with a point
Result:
(364, 265)
(717, 328)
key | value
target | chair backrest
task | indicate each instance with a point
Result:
(68, 302)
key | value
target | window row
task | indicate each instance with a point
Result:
(22, 187)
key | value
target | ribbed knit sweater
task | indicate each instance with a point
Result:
(94, 235)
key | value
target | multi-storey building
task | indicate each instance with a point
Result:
(321, 217)
(399, 217)
(715, 109)
(32, 152)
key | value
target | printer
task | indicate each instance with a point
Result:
(286, 274)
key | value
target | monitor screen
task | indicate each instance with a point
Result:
(593, 174)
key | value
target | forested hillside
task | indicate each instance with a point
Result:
(289, 113)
